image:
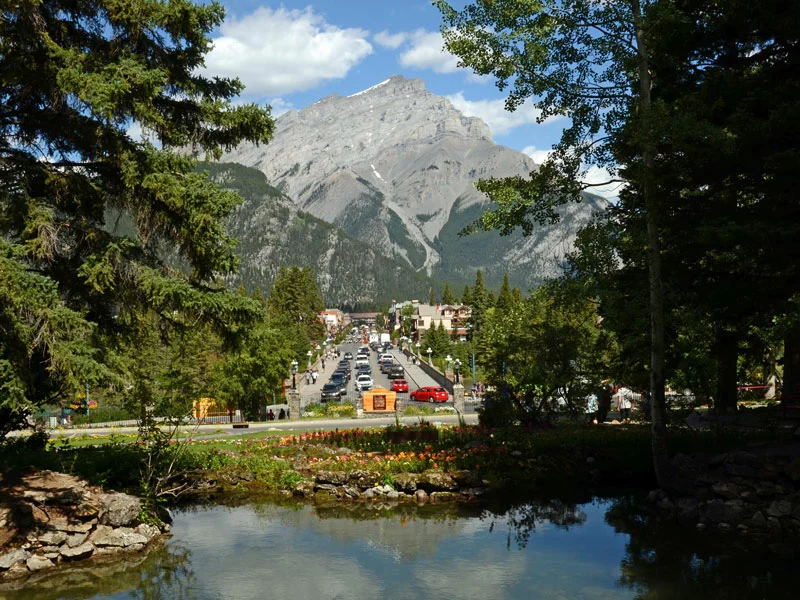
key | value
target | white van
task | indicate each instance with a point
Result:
(385, 356)
(362, 359)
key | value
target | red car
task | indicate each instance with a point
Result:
(430, 393)
(399, 385)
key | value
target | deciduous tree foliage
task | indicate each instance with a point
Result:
(587, 60)
(76, 79)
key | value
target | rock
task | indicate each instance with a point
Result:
(793, 470)
(149, 532)
(368, 494)
(436, 481)
(421, 496)
(37, 563)
(757, 521)
(779, 508)
(773, 525)
(86, 511)
(68, 527)
(122, 537)
(304, 489)
(9, 559)
(443, 496)
(687, 509)
(724, 527)
(327, 487)
(467, 479)
(351, 491)
(714, 510)
(392, 495)
(733, 510)
(700, 527)
(52, 538)
(726, 490)
(384, 489)
(119, 510)
(364, 479)
(78, 553)
(5, 516)
(406, 482)
(332, 477)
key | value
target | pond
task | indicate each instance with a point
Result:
(597, 550)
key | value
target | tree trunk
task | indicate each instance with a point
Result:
(727, 355)
(791, 364)
(657, 405)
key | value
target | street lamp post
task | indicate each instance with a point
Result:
(430, 351)
(448, 359)
(457, 365)
(309, 354)
(294, 373)
(417, 345)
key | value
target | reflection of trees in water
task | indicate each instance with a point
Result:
(168, 575)
(662, 561)
(522, 519)
(164, 573)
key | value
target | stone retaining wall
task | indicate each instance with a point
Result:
(49, 518)
(752, 491)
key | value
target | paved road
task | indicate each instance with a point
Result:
(207, 431)
(415, 376)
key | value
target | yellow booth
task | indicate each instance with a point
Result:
(379, 400)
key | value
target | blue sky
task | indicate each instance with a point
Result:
(290, 54)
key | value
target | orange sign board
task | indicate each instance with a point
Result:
(380, 400)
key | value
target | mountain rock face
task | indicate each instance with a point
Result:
(272, 232)
(395, 166)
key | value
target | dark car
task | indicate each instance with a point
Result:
(386, 365)
(339, 379)
(331, 391)
(363, 370)
(345, 364)
(430, 393)
(396, 372)
(345, 373)
(348, 355)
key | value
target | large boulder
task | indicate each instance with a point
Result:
(119, 510)
(436, 481)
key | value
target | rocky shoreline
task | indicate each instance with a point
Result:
(752, 491)
(48, 519)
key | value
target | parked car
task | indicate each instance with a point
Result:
(400, 385)
(396, 372)
(364, 370)
(386, 365)
(331, 391)
(430, 393)
(345, 372)
(364, 383)
(348, 355)
(362, 359)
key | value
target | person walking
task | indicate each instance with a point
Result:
(624, 404)
(314, 375)
(308, 377)
(591, 408)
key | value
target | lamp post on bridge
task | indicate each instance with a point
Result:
(294, 374)
(457, 365)
(430, 351)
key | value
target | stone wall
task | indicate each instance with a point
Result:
(753, 491)
(49, 518)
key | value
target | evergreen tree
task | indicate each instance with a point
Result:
(447, 296)
(74, 78)
(295, 303)
(466, 296)
(505, 299)
(432, 298)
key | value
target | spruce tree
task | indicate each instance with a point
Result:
(76, 78)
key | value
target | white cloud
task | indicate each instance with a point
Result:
(280, 106)
(494, 113)
(390, 40)
(281, 51)
(538, 156)
(427, 52)
(595, 174)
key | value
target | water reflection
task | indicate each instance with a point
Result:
(550, 549)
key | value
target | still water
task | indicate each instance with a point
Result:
(554, 550)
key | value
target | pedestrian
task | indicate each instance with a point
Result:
(624, 404)
(270, 415)
(323, 364)
(604, 401)
(281, 415)
(591, 408)
(314, 375)
(308, 376)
